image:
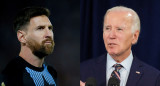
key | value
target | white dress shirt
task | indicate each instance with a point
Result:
(124, 71)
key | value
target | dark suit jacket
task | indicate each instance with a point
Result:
(96, 68)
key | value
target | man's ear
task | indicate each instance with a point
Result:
(135, 37)
(21, 35)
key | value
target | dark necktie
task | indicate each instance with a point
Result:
(115, 76)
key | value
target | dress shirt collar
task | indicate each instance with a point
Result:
(126, 63)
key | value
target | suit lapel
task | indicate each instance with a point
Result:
(135, 73)
(100, 70)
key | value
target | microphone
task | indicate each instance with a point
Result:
(113, 82)
(91, 82)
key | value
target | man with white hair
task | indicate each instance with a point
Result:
(120, 67)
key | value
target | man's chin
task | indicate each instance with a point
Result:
(113, 54)
(43, 53)
(49, 50)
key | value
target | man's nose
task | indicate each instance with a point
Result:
(48, 32)
(112, 34)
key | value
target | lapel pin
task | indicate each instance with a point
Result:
(137, 72)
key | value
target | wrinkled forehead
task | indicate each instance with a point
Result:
(118, 19)
(125, 14)
(118, 16)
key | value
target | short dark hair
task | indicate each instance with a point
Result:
(24, 16)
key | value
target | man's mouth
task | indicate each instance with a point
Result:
(112, 44)
(48, 42)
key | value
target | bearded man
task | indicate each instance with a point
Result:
(35, 34)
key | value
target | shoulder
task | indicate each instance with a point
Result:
(92, 66)
(13, 72)
(14, 66)
(149, 73)
(93, 61)
(148, 69)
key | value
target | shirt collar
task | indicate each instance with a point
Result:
(126, 63)
(110, 62)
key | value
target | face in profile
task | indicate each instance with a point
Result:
(117, 33)
(39, 36)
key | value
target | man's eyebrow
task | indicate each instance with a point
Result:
(41, 26)
(107, 25)
(50, 26)
(44, 26)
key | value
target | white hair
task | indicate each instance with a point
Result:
(136, 20)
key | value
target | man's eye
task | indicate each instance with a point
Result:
(119, 29)
(40, 28)
(107, 28)
(51, 28)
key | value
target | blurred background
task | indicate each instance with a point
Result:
(91, 24)
(65, 17)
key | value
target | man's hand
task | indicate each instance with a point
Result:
(2, 84)
(82, 83)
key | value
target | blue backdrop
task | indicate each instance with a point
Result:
(148, 46)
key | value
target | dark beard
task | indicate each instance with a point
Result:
(41, 50)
